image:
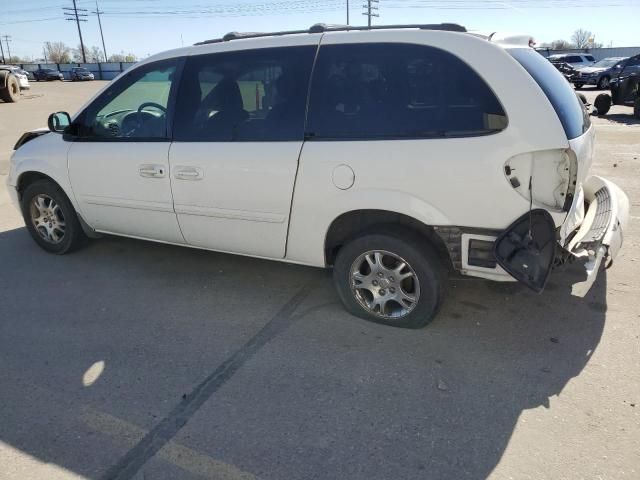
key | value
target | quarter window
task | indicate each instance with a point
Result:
(382, 91)
(252, 95)
(135, 106)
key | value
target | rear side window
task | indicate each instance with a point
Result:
(369, 91)
(249, 95)
(571, 112)
(573, 59)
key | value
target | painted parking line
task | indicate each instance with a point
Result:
(192, 461)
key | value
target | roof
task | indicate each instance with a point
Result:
(323, 27)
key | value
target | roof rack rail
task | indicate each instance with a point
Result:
(324, 27)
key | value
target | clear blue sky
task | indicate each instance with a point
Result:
(145, 27)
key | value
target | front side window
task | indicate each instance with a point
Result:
(251, 95)
(135, 106)
(590, 58)
(382, 91)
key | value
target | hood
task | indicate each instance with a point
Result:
(592, 69)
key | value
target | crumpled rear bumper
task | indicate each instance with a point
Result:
(600, 234)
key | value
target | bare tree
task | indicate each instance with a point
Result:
(582, 38)
(561, 45)
(95, 55)
(121, 57)
(58, 52)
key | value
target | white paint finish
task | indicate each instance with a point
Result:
(436, 181)
(114, 194)
(46, 154)
(241, 202)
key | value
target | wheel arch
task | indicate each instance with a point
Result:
(355, 223)
(30, 176)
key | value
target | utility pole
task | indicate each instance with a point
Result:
(6, 39)
(2, 51)
(371, 8)
(98, 12)
(347, 12)
(73, 15)
(44, 52)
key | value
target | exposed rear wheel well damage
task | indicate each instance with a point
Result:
(353, 224)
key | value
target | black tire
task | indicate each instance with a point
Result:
(73, 237)
(419, 257)
(579, 85)
(11, 92)
(636, 108)
(603, 83)
(582, 98)
(602, 103)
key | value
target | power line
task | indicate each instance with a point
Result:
(371, 10)
(72, 14)
(6, 40)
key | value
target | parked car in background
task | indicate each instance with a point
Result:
(567, 70)
(576, 60)
(341, 147)
(79, 74)
(625, 88)
(599, 74)
(21, 75)
(46, 74)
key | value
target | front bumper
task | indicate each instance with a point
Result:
(600, 235)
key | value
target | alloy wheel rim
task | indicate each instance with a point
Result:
(384, 284)
(47, 219)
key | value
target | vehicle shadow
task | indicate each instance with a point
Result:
(623, 119)
(97, 347)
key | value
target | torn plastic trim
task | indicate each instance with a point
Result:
(527, 248)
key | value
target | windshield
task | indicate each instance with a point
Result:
(607, 62)
(81, 70)
(570, 110)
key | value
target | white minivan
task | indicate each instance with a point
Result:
(393, 154)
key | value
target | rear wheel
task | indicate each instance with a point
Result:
(602, 103)
(393, 278)
(636, 108)
(579, 85)
(11, 92)
(50, 218)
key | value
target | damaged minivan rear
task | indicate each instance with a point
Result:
(585, 215)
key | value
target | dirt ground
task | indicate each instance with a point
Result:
(137, 360)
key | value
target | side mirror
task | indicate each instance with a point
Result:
(59, 121)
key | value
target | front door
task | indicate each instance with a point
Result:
(238, 133)
(119, 165)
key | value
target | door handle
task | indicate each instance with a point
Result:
(188, 173)
(152, 171)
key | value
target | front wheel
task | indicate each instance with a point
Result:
(636, 108)
(50, 218)
(603, 83)
(10, 93)
(391, 278)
